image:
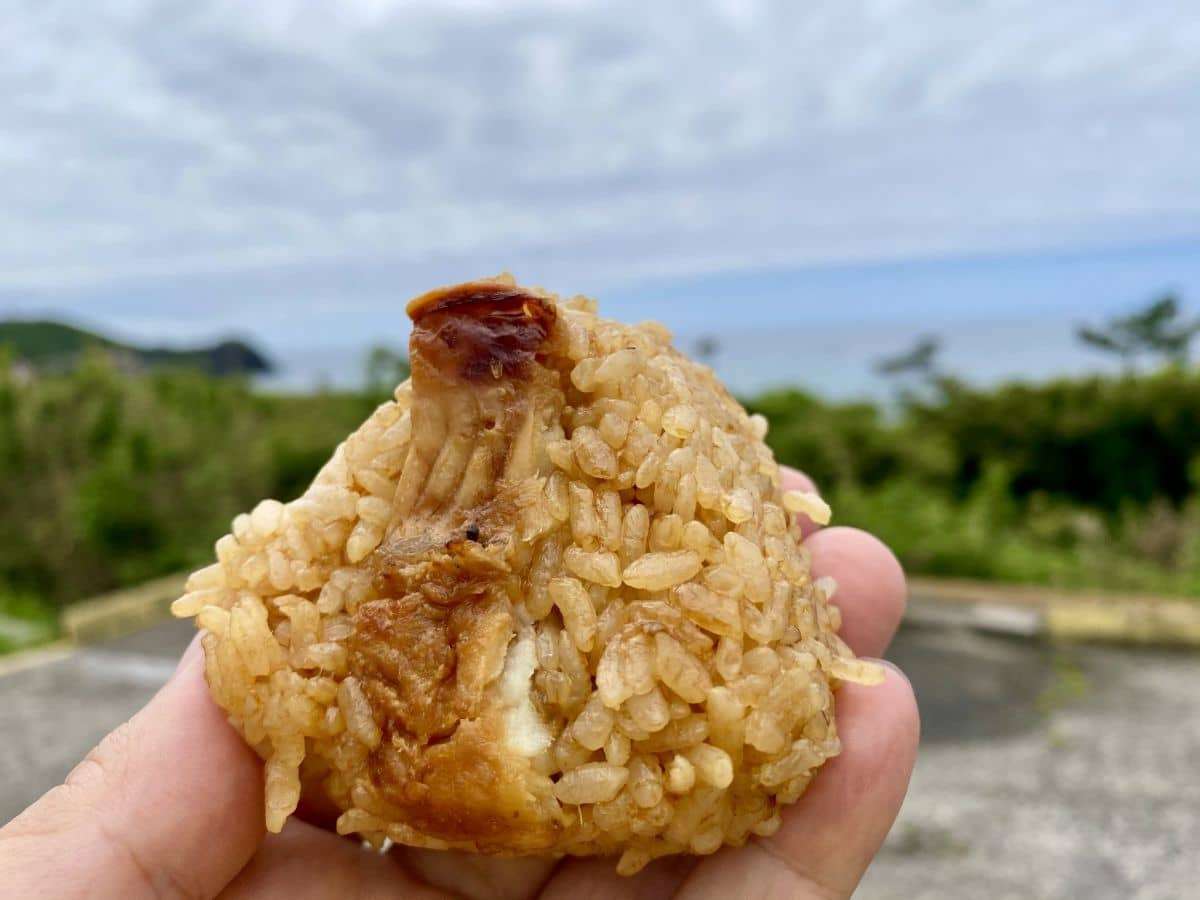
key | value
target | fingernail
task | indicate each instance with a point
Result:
(191, 656)
(887, 664)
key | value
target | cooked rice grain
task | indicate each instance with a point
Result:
(553, 584)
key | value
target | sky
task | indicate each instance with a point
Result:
(175, 170)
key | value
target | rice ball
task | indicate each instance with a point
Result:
(549, 600)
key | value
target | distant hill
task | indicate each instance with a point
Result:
(55, 346)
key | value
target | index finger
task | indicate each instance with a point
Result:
(871, 589)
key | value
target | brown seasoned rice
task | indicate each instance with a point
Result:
(547, 600)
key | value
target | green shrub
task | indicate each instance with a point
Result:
(1077, 482)
(1101, 442)
(25, 620)
(109, 479)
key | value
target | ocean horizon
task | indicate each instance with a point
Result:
(824, 328)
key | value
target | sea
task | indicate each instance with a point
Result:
(826, 328)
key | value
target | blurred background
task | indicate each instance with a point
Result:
(951, 250)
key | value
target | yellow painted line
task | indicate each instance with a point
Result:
(34, 657)
(121, 612)
(965, 590)
(1061, 615)
(1162, 622)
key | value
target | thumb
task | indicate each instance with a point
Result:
(169, 804)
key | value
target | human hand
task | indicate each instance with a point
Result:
(170, 804)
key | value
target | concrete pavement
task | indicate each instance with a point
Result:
(1047, 773)
(54, 711)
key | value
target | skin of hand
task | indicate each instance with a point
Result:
(170, 804)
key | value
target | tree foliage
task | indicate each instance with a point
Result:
(1157, 330)
(1076, 482)
(110, 478)
(920, 359)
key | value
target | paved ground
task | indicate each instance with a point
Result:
(52, 714)
(1048, 774)
(1044, 774)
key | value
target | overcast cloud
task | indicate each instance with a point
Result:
(184, 163)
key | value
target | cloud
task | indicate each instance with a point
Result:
(238, 157)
